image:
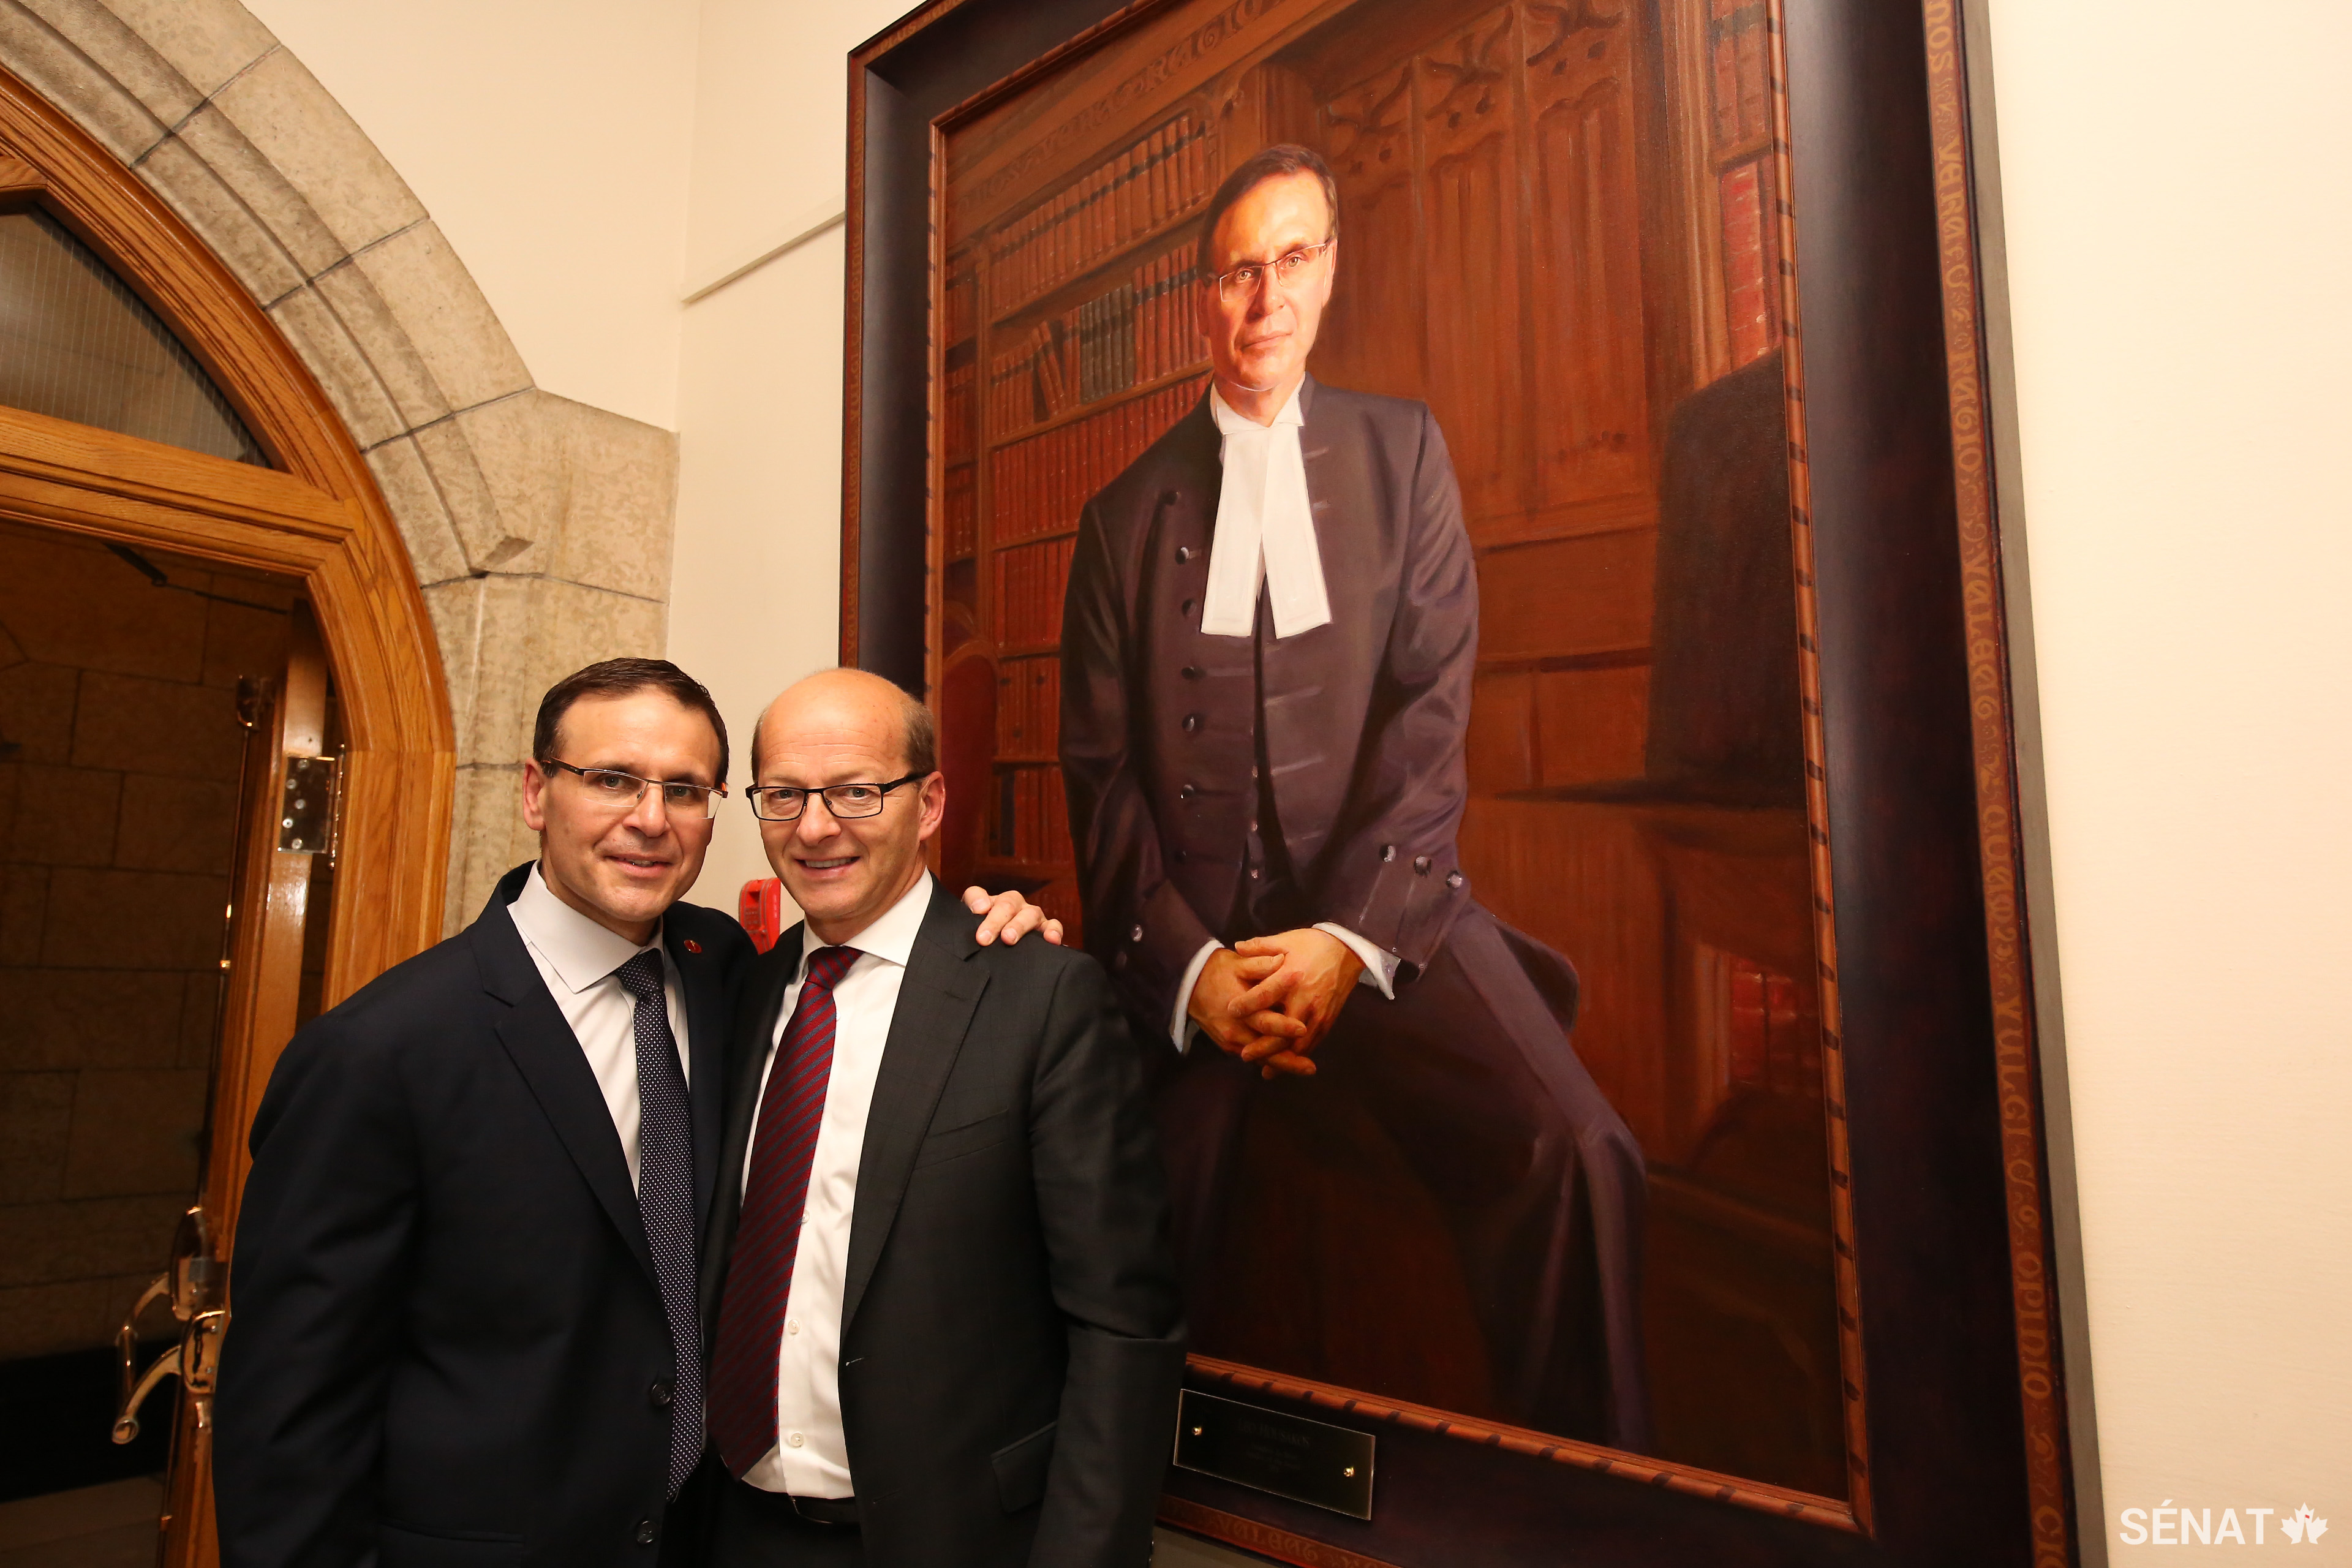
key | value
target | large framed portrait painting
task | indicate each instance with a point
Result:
(1449, 542)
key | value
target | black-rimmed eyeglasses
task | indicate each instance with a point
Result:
(618, 791)
(784, 803)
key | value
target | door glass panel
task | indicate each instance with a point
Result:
(77, 344)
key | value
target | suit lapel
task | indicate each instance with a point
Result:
(936, 1001)
(548, 1054)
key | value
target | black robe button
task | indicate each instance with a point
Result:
(1192, 672)
(1188, 605)
(1388, 853)
(1421, 865)
(1169, 497)
(1453, 878)
(1186, 792)
(1184, 554)
(1192, 723)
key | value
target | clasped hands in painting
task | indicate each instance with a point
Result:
(1271, 999)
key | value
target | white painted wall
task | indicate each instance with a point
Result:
(551, 140)
(755, 587)
(2177, 223)
(2177, 226)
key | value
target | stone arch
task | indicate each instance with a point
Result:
(539, 529)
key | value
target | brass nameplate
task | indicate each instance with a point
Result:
(1290, 1456)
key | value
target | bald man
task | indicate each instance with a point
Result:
(945, 1321)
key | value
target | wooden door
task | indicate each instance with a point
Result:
(285, 827)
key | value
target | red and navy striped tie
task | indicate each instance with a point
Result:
(760, 1273)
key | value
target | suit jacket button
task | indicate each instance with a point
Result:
(659, 1393)
(1192, 672)
(1192, 723)
(645, 1532)
(1184, 554)
(1388, 853)
(1421, 865)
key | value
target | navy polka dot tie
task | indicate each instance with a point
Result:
(666, 1202)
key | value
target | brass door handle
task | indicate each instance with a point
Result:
(126, 1425)
(192, 1286)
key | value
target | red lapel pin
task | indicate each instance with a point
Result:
(691, 945)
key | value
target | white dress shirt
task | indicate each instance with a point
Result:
(1266, 528)
(811, 1458)
(577, 957)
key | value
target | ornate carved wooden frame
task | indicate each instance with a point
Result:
(1937, 1122)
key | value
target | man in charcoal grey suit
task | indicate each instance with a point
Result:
(945, 1330)
(1268, 650)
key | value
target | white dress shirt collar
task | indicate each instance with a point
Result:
(1266, 527)
(892, 934)
(579, 950)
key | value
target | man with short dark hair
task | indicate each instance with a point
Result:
(466, 1262)
(1267, 651)
(944, 1324)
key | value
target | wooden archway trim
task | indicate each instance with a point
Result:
(316, 516)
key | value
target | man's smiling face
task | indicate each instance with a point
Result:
(844, 727)
(621, 868)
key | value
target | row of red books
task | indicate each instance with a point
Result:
(1040, 378)
(1037, 486)
(962, 304)
(958, 414)
(1028, 707)
(1139, 332)
(1146, 184)
(1167, 328)
(1030, 581)
(960, 510)
(1033, 820)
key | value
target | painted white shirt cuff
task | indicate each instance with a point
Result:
(1380, 968)
(1179, 1026)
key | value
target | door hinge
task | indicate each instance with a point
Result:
(306, 820)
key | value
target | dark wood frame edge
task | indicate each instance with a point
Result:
(2042, 1395)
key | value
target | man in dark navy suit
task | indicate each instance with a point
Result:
(1267, 653)
(464, 1276)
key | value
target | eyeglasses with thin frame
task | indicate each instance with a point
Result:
(618, 791)
(1244, 281)
(785, 803)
